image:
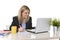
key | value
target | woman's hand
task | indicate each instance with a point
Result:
(20, 29)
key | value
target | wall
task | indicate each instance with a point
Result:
(39, 8)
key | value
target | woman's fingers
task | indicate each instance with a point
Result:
(21, 29)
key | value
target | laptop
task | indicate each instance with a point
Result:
(42, 25)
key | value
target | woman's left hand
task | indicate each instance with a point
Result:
(20, 29)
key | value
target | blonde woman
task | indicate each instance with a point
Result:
(23, 21)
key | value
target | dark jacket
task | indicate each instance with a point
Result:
(16, 23)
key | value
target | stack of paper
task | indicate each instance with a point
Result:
(3, 33)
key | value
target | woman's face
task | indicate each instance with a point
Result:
(25, 14)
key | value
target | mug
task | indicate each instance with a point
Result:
(13, 29)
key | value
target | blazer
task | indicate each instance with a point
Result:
(15, 22)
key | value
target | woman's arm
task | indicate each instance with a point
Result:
(14, 22)
(29, 24)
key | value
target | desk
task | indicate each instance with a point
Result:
(29, 36)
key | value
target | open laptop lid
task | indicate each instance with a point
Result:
(43, 24)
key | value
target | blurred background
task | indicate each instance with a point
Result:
(39, 9)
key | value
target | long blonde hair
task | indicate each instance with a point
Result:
(24, 7)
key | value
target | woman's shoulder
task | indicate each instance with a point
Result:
(30, 17)
(15, 18)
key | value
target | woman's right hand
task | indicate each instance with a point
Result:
(20, 29)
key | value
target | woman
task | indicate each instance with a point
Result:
(23, 20)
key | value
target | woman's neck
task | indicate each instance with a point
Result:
(23, 20)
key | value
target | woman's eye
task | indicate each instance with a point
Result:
(25, 12)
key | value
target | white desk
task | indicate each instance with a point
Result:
(29, 36)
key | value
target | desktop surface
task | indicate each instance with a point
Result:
(28, 36)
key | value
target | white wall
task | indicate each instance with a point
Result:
(39, 8)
